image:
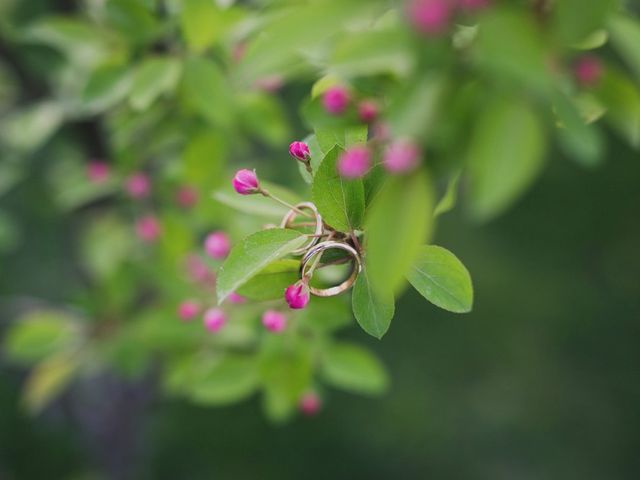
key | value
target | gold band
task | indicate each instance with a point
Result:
(318, 250)
(319, 227)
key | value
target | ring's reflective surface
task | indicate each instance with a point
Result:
(291, 215)
(310, 257)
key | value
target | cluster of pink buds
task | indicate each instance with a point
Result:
(434, 17)
(400, 156)
(336, 100)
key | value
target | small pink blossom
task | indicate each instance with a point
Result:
(217, 245)
(197, 270)
(401, 156)
(300, 151)
(354, 162)
(148, 228)
(381, 131)
(269, 84)
(236, 299)
(98, 171)
(214, 319)
(245, 182)
(335, 100)
(188, 310)
(297, 295)
(430, 17)
(368, 111)
(310, 404)
(187, 196)
(588, 70)
(138, 185)
(274, 321)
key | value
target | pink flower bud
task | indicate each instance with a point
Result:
(473, 5)
(197, 270)
(217, 245)
(297, 295)
(148, 228)
(401, 156)
(368, 111)
(245, 182)
(138, 185)
(300, 151)
(354, 162)
(310, 404)
(335, 100)
(588, 71)
(187, 196)
(430, 17)
(188, 309)
(98, 171)
(236, 299)
(381, 131)
(274, 321)
(269, 84)
(214, 319)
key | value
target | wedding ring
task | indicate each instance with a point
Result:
(319, 226)
(309, 259)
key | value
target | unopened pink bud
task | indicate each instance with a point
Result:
(236, 299)
(300, 151)
(245, 182)
(354, 162)
(217, 245)
(335, 100)
(368, 111)
(274, 321)
(198, 271)
(214, 319)
(310, 404)
(430, 17)
(297, 295)
(98, 171)
(381, 131)
(401, 156)
(148, 228)
(138, 185)
(188, 310)
(187, 196)
(588, 70)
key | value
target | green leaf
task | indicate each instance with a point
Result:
(202, 160)
(106, 87)
(28, 129)
(341, 136)
(574, 20)
(252, 255)
(355, 369)
(398, 222)
(271, 282)
(257, 204)
(373, 309)
(106, 244)
(207, 91)
(580, 140)
(325, 315)
(10, 233)
(202, 23)
(340, 201)
(450, 197)
(153, 77)
(625, 36)
(441, 278)
(232, 378)
(285, 371)
(510, 46)
(415, 107)
(48, 379)
(39, 334)
(621, 98)
(505, 156)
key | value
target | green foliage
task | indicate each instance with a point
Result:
(271, 282)
(252, 255)
(373, 309)
(442, 279)
(355, 369)
(340, 201)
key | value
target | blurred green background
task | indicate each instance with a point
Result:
(541, 380)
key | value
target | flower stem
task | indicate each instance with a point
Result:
(270, 195)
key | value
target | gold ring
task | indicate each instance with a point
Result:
(318, 250)
(319, 228)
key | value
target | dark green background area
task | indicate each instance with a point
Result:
(541, 380)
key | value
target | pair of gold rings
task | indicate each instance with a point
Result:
(320, 242)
